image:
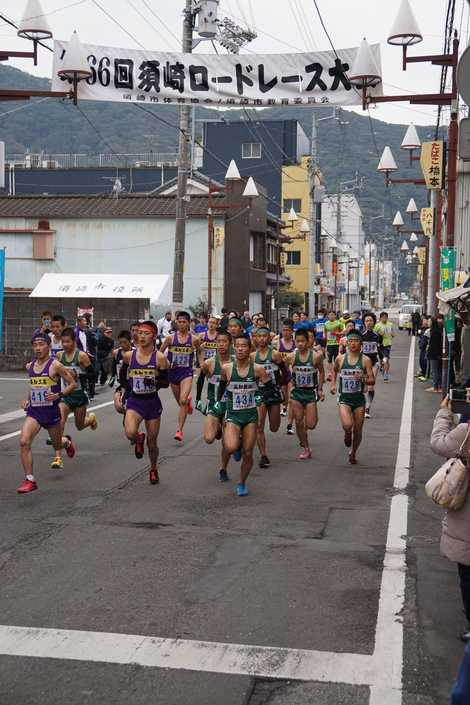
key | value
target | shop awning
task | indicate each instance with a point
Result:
(154, 287)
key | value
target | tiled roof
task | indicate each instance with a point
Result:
(126, 206)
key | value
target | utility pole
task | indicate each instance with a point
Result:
(183, 171)
(313, 217)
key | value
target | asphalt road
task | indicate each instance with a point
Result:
(278, 598)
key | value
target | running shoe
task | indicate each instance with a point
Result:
(223, 476)
(179, 436)
(237, 456)
(153, 476)
(70, 449)
(264, 462)
(290, 430)
(283, 411)
(348, 439)
(27, 486)
(190, 405)
(386, 377)
(139, 446)
(367, 414)
(94, 421)
(57, 463)
(241, 490)
(306, 454)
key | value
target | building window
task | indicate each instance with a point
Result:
(293, 257)
(258, 251)
(251, 150)
(272, 254)
(295, 203)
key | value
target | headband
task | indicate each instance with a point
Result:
(263, 329)
(353, 334)
(149, 327)
(234, 319)
(41, 336)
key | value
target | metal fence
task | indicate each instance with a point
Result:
(43, 160)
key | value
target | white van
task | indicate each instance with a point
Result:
(404, 316)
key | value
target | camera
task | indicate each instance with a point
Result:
(459, 400)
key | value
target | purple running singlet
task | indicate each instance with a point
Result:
(143, 398)
(45, 412)
(180, 357)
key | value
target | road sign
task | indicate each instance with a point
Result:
(432, 164)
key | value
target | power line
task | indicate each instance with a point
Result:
(306, 23)
(147, 21)
(298, 22)
(324, 27)
(113, 19)
(168, 29)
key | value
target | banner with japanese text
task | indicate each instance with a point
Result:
(447, 277)
(261, 80)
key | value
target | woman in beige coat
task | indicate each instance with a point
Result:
(446, 439)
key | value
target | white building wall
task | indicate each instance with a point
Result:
(124, 245)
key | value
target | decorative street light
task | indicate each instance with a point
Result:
(398, 221)
(34, 26)
(232, 172)
(304, 229)
(75, 65)
(411, 142)
(404, 247)
(413, 237)
(387, 163)
(411, 208)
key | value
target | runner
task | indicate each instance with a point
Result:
(208, 346)
(270, 397)
(343, 343)
(77, 362)
(121, 384)
(181, 348)
(371, 342)
(146, 371)
(385, 329)
(285, 344)
(354, 370)
(213, 425)
(135, 334)
(333, 329)
(308, 376)
(319, 323)
(239, 379)
(42, 407)
(58, 324)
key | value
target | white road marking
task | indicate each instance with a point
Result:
(21, 414)
(13, 379)
(382, 671)
(11, 415)
(182, 654)
(388, 650)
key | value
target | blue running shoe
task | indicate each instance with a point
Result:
(237, 456)
(241, 490)
(223, 476)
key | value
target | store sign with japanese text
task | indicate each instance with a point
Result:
(432, 164)
(448, 262)
(427, 221)
(261, 80)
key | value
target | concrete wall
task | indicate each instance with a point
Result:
(295, 184)
(127, 246)
(22, 316)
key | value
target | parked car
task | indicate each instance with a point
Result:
(404, 316)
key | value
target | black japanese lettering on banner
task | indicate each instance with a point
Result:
(151, 77)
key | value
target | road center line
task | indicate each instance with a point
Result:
(21, 413)
(388, 651)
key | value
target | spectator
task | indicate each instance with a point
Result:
(104, 347)
(423, 341)
(461, 690)
(246, 320)
(415, 322)
(446, 439)
(164, 325)
(434, 353)
(296, 319)
(457, 348)
(224, 319)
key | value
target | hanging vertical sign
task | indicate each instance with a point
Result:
(2, 294)
(448, 260)
(432, 164)
(427, 221)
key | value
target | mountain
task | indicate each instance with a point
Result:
(346, 146)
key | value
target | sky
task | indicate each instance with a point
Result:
(283, 26)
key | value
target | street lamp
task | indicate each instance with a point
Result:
(411, 142)
(398, 221)
(304, 229)
(75, 65)
(411, 208)
(387, 163)
(233, 173)
(413, 237)
(34, 26)
(404, 247)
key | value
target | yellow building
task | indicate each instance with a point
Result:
(295, 194)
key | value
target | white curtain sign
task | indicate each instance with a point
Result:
(125, 75)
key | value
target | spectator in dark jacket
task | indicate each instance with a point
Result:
(415, 322)
(104, 348)
(434, 353)
(423, 346)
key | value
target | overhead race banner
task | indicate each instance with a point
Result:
(261, 80)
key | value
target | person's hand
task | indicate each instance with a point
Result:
(25, 404)
(51, 396)
(333, 389)
(321, 395)
(445, 403)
